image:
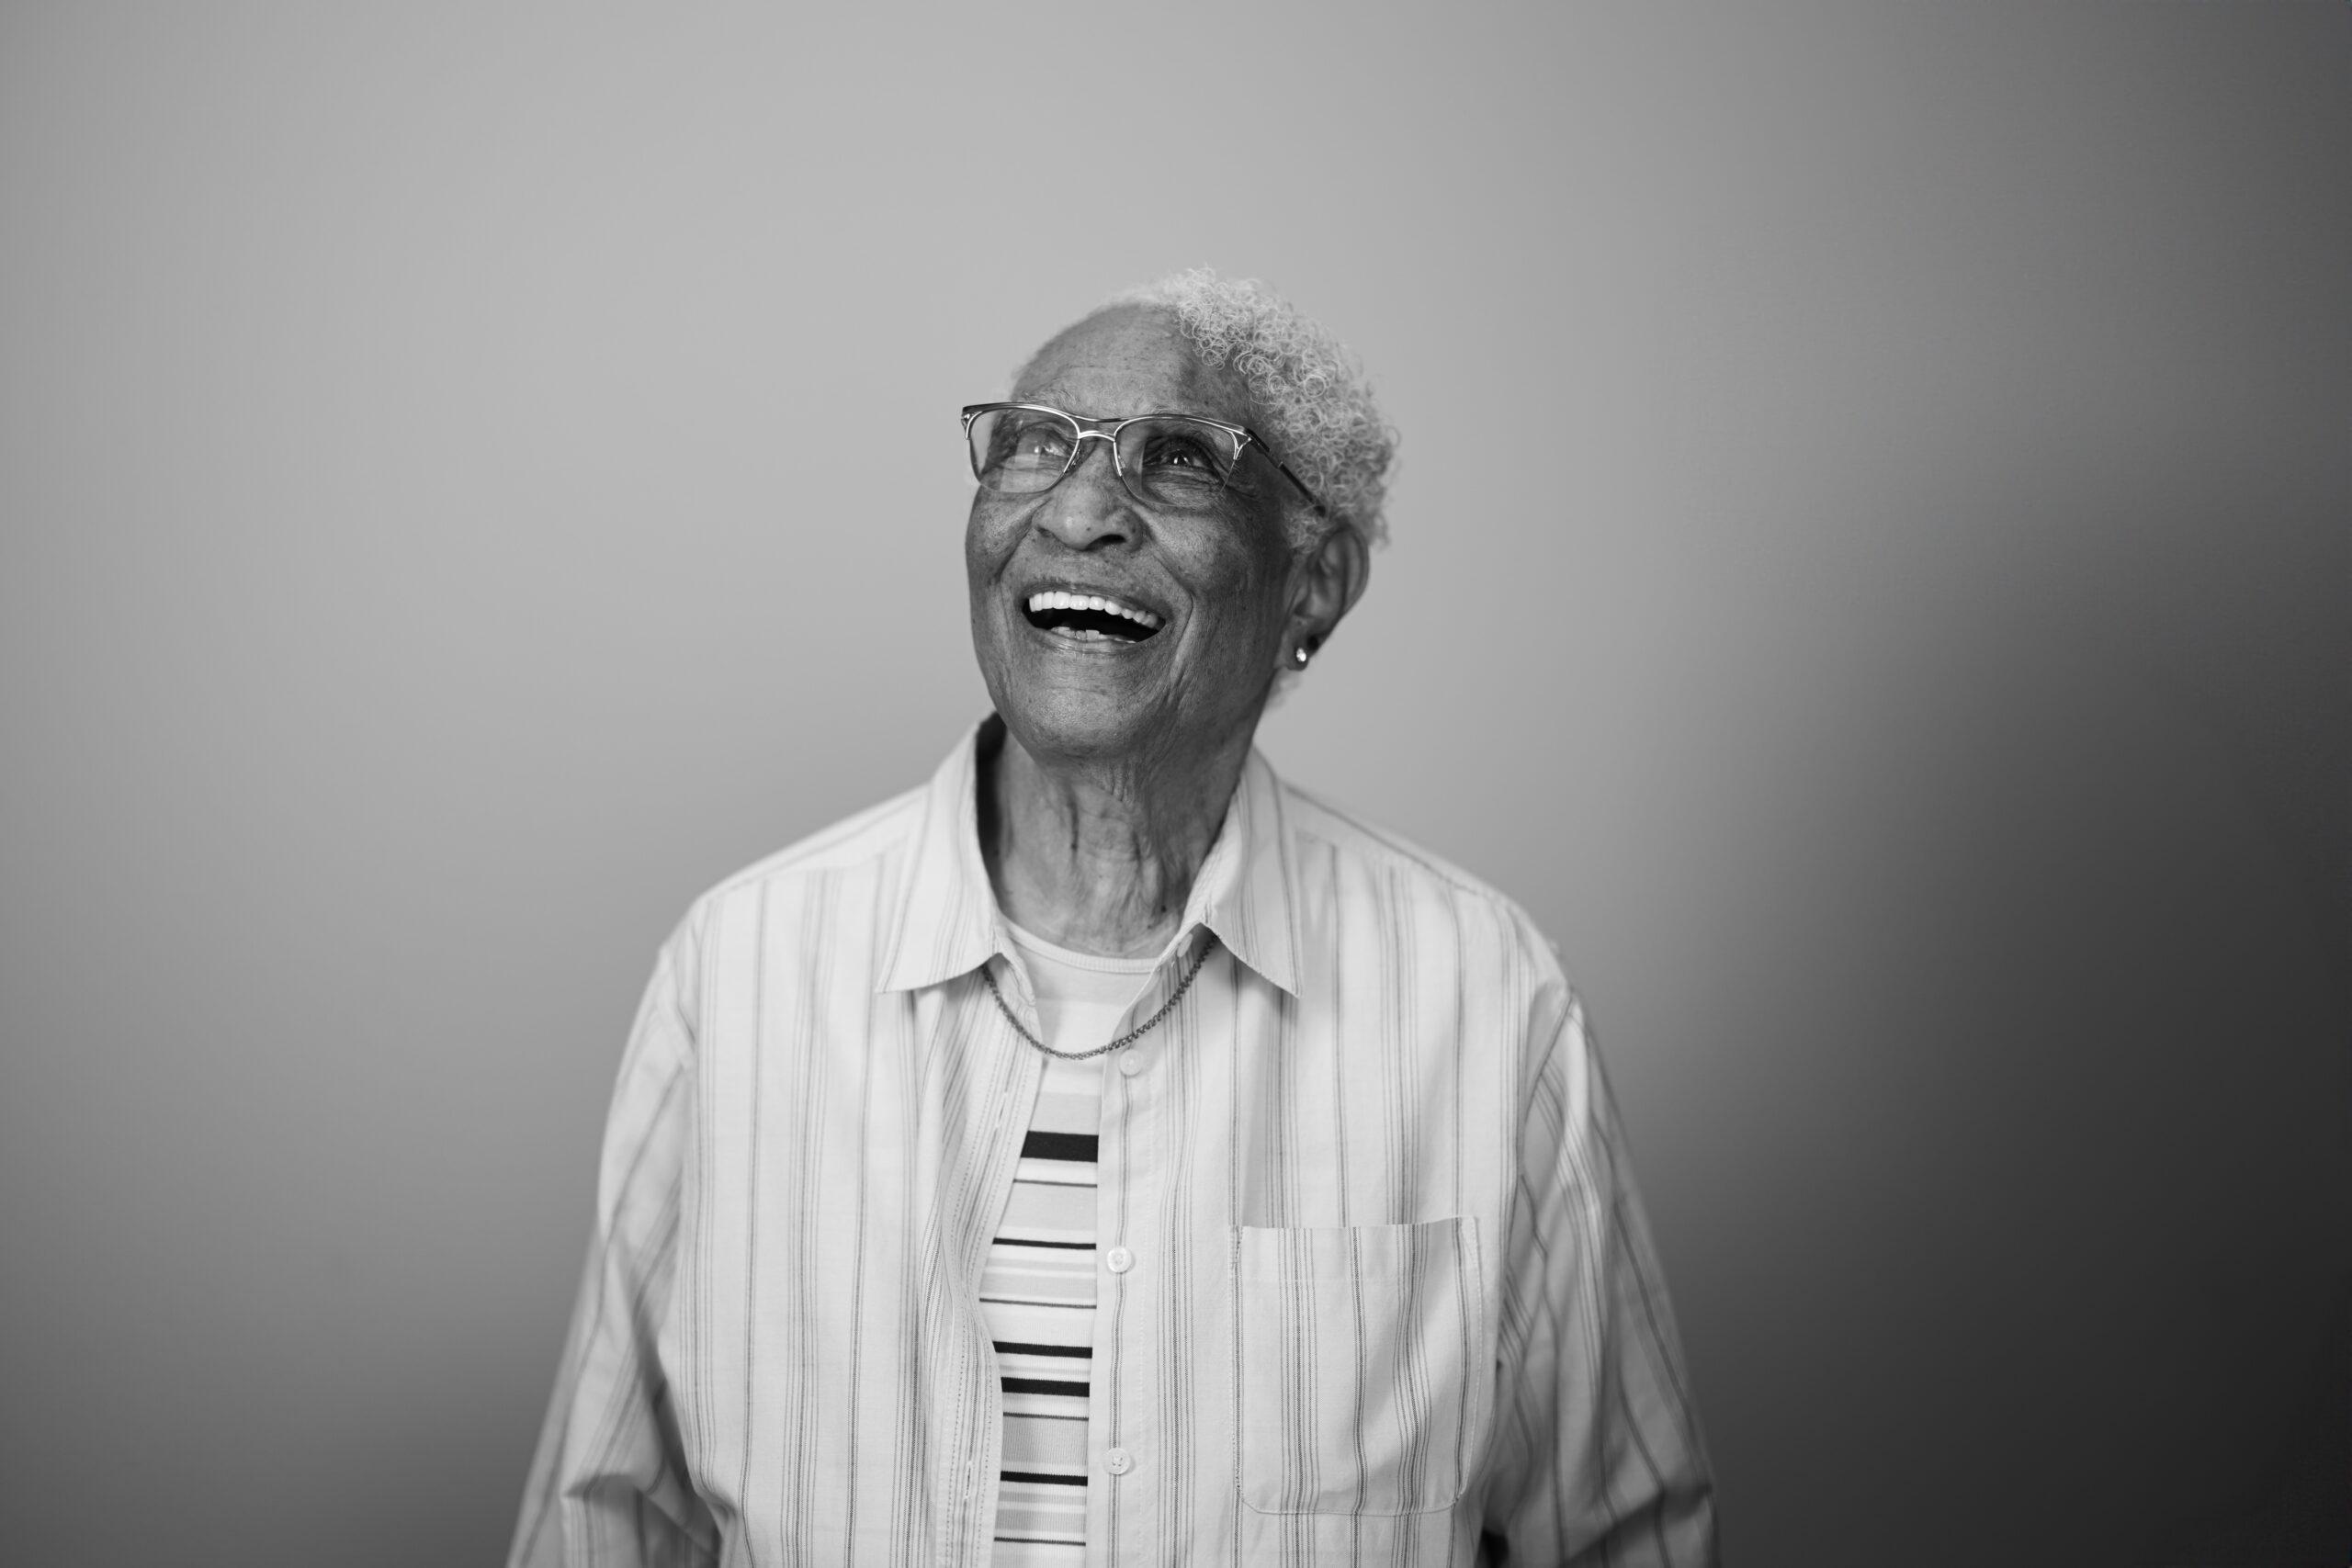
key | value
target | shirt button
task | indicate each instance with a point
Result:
(1130, 1061)
(1120, 1259)
(1117, 1462)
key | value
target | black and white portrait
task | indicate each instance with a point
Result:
(1315, 784)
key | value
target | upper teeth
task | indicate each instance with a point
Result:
(1055, 599)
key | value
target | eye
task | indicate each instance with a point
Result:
(1184, 455)
(1178, 452)
(1024, 441)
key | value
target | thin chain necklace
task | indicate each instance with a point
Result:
(1129, 1038)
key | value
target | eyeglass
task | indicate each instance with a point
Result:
(1183, 461)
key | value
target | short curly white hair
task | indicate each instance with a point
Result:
(1311, 393)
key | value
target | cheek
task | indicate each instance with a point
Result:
(987, 543)
(1247, 587)
(981, 567)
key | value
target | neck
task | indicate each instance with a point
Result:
(1099, 854)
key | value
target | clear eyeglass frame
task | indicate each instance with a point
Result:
(1107, 430)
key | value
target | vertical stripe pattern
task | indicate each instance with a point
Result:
(1386, 1283)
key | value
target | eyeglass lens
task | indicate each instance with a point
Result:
(1166, 459)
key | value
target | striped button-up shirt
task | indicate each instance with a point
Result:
(1389, 1288)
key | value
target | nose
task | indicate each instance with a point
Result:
(1090, 506)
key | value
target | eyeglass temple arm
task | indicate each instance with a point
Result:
(1313, 499)
(1267, 446)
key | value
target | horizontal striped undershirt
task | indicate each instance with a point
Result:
(1038, 1284)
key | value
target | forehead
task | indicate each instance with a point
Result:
(1130, 359)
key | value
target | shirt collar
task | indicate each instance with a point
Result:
(948, 924)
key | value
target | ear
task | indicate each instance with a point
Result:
(1332, 578)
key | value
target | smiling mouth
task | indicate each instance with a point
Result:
(1089, 617)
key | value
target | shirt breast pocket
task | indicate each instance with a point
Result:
(1366, 1366)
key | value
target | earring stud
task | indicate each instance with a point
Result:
(1300, 654)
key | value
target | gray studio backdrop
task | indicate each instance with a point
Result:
(1871, 574)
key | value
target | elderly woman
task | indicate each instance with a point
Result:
(1107, 1153)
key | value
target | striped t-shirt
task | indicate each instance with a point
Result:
(1037, 1288)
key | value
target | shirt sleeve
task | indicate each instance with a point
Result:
(1597, 1456)
(608, 1484)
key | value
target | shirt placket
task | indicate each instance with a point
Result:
(1002, 1123)
(1126, 1435)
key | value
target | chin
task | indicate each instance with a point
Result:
(1076, 721)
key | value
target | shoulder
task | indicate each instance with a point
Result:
(1313, 818)
(866, 846)
(860, 840)
(1344, 858)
